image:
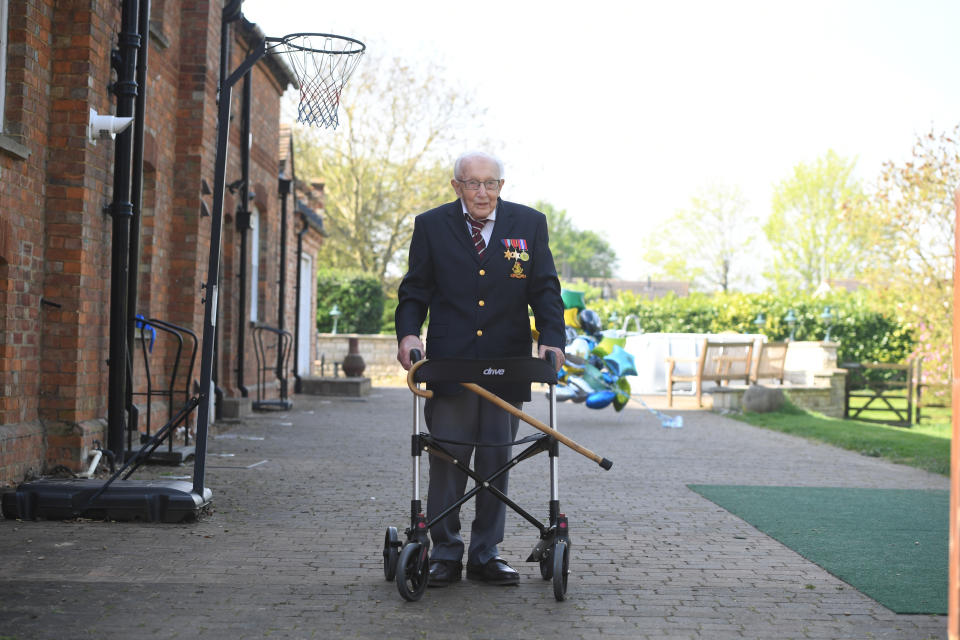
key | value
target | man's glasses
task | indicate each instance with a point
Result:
(474, 185)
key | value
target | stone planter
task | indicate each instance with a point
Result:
(353, 364)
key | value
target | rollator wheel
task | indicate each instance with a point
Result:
(561, 569)
(413, 571)
(546, 563)
(391, 542)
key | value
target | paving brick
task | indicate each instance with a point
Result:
(292, 548)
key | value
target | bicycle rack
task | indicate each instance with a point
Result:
(172, 455)
(278, 343)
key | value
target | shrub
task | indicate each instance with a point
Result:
(359, 297)
(387, 323)
(864, 333)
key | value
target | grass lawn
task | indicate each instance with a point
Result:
(925, 446)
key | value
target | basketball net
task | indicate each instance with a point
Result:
(322, 64)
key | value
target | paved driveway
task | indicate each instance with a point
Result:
(302, 498)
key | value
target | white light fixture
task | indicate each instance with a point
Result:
(99, 124)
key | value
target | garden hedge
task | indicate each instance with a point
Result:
(358, 296)
(864, 333)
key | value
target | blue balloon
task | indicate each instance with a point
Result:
(620, 363)
(590, 321)
(608, 378)
(600, 399)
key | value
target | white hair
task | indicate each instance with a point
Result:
(470, 155)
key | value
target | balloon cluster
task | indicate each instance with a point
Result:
(596, 363)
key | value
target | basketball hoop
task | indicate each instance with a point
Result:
(322, 63)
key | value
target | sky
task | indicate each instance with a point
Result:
(619, 112)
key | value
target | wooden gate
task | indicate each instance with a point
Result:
(879, 392)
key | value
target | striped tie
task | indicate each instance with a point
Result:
(477, 226)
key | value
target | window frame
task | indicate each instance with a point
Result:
(4, 43)
(254, 264)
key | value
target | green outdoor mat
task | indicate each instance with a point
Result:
(890, 544)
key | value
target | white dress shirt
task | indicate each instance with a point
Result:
(487, 230)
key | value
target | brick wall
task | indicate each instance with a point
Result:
(55, 239)
(76, 233)
(21, 204)
(379, 352)
(22, 449)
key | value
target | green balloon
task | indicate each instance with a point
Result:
(572, 299)
(591, 375)
(620, 401)
(623, 394)
(605, 347)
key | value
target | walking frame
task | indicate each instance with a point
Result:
(408, 563)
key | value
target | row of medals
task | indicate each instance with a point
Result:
(515, 256)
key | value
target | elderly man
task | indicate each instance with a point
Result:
(476, 264)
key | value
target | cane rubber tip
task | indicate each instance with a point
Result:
(606, 464)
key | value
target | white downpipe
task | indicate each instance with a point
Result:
(96, 455)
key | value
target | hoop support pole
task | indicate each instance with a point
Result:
(213, 265)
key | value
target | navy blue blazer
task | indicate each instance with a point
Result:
(478, 305)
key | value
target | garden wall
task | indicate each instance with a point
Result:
(379, 352)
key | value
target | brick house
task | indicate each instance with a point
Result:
(55, 237)
(651, 289)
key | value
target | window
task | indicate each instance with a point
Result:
(3, 60)
(11, 125)
(254, 263)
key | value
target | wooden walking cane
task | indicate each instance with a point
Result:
(506, 406)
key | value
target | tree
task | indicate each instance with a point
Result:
(818, 227)
(389, 161)
(913, 261)
(708, 244)
(577, 254)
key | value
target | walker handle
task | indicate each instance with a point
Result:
(416, 363)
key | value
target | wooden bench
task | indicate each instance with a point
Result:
(770, 360)
(719, 362)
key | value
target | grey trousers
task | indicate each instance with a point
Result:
(468, 418)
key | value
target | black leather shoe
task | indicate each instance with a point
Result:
(494, 571)
(444, 573)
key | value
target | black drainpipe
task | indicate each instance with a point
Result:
(284, 189)
(125, 62)
(243, 225)
(136, 197)
(230, 13)
(297, 385)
